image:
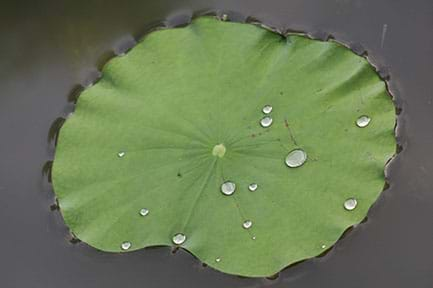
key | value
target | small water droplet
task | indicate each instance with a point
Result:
(266, 122)
(218, 260)
(296, 158)
(228, 188)
(247, 224)
(254, 237)
(179, 239)
(125, 245)
(350, 204)
(253, 187)
(267, 109)
(363, 121)
(144, 212)
(323, 246)
(121, 154)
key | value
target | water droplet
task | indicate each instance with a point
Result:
(121, 154)
(296, 158)
(179, 239)
(266, 122)
(218, 260)
(253, 187)
(323, 246)
(350, 204)
(228, 188)
(125, 245)
(267, 109)
(247, 224)
(144, 212)
(254, 237)
(363, 121)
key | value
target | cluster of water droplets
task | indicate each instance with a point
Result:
(294, 159)
(351, 203)
(266, 121)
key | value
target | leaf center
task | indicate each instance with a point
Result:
(219, 150)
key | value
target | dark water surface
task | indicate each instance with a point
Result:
(47, 48)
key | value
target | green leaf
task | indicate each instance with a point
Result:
(184, 106)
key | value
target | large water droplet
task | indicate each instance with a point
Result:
(228, 188)
(267, 109)
(125, 245)
(266, 122)
(121, 154)
(296, 158)
(179, 239)
(144, 212)
(363, 121)
(247, 224)
(350, 204)
(253, 187)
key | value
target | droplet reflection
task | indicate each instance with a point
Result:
(125, 245)
(296, 158)
(144, 212)
(350, 204)
(267, 109)
(253, 187)
(179, 239)
(363, 121)
(228, 188)
(247, 224)
(266, 122)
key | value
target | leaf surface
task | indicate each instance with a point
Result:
(180, 93)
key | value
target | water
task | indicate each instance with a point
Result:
(144, 212)
(62, 51)
(125, 245)
(363, 121)
(179, 239)
(253, 187)
(350, 204)
(267, 109)
(296, 158)
(228, 188)
(266, 122)
(247, 224)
